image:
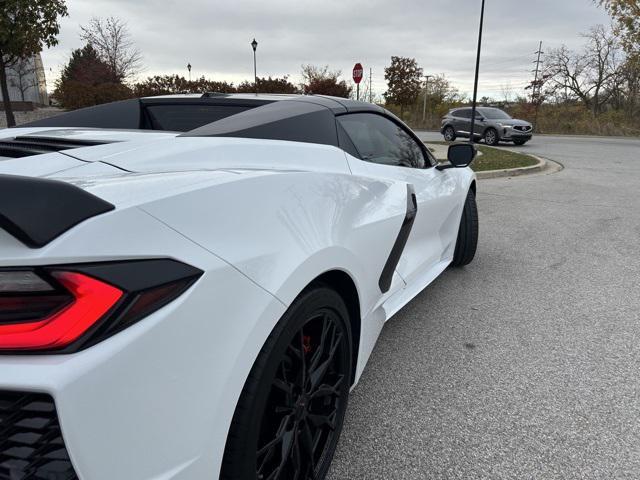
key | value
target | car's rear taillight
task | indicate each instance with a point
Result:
(25, 296)
(68, 308)
(52, 317)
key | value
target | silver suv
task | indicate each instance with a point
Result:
(492, 124)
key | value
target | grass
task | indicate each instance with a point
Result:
(497, 158)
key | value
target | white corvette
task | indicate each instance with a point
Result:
(191, 285)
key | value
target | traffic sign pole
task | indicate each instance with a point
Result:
(357, 77)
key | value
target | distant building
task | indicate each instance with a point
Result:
(27, 82)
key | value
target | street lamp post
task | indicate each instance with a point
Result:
(426, 91)
(189, 68)
(254, 45)
(475, 81)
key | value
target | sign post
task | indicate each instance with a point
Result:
(357, 77)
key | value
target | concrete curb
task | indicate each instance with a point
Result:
(543, 166)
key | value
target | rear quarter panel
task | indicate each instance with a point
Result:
(284, 229)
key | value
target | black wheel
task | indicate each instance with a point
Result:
(467, 241)
(290, 414)
(519, 142)
(449, 134)
(491, 136)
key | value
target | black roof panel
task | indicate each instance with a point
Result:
(303, 118)
(298, 120)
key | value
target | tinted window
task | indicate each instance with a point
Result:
(379, 140)
(182, 118)
(464, 113)
(494, 114)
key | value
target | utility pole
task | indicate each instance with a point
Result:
(475, 81)
(426, 91)
(536, 96)
(370, 88)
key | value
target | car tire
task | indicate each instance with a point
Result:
(519, 142)
(288, 399)
(449, 134)
(491, 137)
(467, 241)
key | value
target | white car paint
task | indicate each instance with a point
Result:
(262, 219)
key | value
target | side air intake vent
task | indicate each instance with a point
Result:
(31, 443)
(27, 146)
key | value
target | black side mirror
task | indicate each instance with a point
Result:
(459, 155)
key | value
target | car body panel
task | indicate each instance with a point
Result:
(262, 219)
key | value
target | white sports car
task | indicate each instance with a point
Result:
(191, 285)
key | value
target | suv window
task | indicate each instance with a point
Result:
(379, 140)
(463, 113)
(494, 114)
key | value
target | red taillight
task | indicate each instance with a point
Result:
(34, 315)
(61, 309)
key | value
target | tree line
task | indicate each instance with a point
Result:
(102, 71)
(594, 89)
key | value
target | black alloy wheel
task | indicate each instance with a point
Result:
(297, 394)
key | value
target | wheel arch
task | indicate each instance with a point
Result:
(343, 284)
(447, 125)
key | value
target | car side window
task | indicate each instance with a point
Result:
(464, 113)
(379, 140)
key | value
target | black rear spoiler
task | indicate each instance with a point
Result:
(37, 210)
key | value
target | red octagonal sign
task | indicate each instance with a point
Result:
(357, 73)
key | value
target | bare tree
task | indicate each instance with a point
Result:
(322, 81)
(110, 37)
(507, 92)
(22, 75)
(442, 91)
(589, 75)
(314, 72)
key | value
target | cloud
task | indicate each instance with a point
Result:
(214, 36)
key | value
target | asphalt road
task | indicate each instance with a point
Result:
(526, 363)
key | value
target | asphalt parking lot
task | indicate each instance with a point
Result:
(526, 363)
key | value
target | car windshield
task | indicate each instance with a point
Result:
(495, 114)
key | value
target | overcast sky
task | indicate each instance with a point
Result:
(214, 36)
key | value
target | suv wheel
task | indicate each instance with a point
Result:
(449, 134)
(491, 137)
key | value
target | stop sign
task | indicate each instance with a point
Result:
(357, 73)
